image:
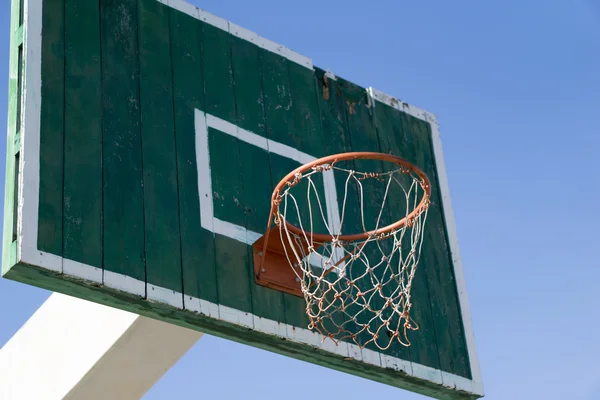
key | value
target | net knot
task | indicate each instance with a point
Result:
(297, 178)
(367, 175)
(322, 167)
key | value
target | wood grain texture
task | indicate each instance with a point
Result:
(254, 164)
(50, 229)
(396, 137)
(197, 244)
(122, 147)
(82, 208)
(335, 139)
(446, 312)
(159, 152)
(280, 128)
(231, 256)
(218, 79)
(362, 134)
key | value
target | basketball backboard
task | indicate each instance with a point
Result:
(145, 139)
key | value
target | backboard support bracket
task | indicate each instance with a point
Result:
(272, 267)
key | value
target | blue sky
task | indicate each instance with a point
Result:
(516, 88)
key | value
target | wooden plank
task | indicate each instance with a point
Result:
(82, 219)
(122, 153)
(232, 256)
(254, 165)
(279, 115)
(363, 136)
(50, 231)
(308, 137)
(399, 139)
(436, 255)
(159, 154)
(197, 244)
(424, 345)
(334, 139)
(220, 100)
(395, 204)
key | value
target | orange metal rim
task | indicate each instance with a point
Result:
(318, 237)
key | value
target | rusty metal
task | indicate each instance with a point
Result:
(271, 266)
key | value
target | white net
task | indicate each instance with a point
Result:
(356, 288)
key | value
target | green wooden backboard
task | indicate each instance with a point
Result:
(144, 141)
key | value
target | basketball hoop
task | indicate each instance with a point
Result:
(356, 285)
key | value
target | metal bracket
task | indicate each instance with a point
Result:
(271, 265)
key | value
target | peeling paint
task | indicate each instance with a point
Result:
(351, 108)
(325, 88)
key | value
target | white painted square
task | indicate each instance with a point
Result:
(203, 122)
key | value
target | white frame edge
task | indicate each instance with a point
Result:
(240, 32)
(475, 385)
(461, 287)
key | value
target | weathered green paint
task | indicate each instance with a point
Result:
(308, 137)
(118, 137)
(232, 257)
(159, 154)
(197, 244)
(82, 207)
(335, 139)
(425, 349)
(254, 164)
(447, 322)
(50, 227)
(122, 148)
(218, 79)
(280, 127)
(387, 130)
(394, 133)
(362, 134)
